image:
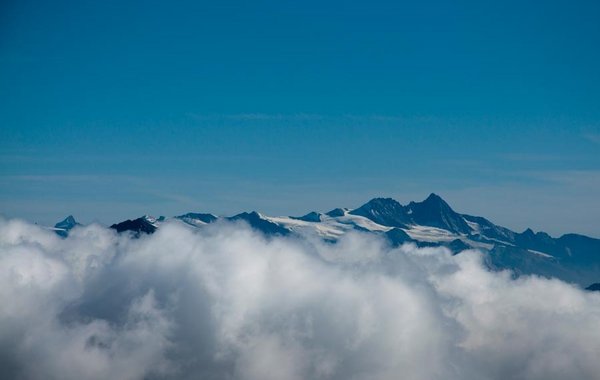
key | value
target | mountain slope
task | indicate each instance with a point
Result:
(256, 221)
(196, 219)
(432, 222)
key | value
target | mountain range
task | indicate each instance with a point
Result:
(571, 257)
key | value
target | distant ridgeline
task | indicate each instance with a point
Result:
(432, 222)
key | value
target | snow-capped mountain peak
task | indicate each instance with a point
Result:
(431, 222)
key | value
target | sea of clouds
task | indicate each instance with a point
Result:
(224, 302)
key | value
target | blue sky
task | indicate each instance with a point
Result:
(113, 109)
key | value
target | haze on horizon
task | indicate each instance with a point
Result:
(111, 110)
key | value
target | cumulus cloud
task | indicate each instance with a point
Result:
(223, 302)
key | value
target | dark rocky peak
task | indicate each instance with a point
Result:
(528, 233)
(337, 212)
(432, 202)
(433, 198)
(137, 226)
(435, 212)
(385, 211)
(312, 216)
(544, 237)
(540, 235)
(526, 239)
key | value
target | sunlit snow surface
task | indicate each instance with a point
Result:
(329, 227)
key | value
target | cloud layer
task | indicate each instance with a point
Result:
(223, 302)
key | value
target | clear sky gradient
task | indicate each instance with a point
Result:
(114, 109)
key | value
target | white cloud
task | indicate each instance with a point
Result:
(223, 302)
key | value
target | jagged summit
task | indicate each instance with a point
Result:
(435, 212)
(385, 211)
